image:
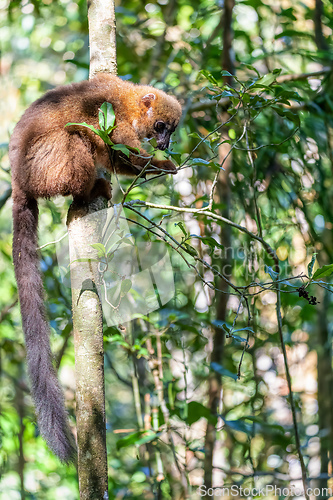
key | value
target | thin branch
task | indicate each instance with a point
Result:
(180, 246)
(210, 204)
(205, 212)
(303, 76)
(277, 475)
(253, 184)
(53, 242)
(318, 24)
(223, 103)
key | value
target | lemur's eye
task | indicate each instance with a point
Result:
(159, 126)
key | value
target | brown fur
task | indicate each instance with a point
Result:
(49, 159)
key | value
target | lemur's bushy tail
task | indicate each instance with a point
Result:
(46, 391)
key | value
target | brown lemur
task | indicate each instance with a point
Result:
(49, 158)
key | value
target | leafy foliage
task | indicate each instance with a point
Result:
(268, 130)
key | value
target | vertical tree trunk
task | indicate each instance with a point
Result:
(318, 26)
(223, 192)
(87, 309)
(102, 36)
(215, 382)
(325, 379)
(89, 354)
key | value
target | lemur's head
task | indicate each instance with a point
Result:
(160, 115)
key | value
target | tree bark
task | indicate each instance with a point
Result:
(325, 378)
(102, 36)
(86, 303)
(89, 352)
(215, 381)
(223, 192)
(318, 25)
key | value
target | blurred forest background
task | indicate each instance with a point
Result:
(198, 391)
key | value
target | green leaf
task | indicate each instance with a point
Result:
(191, 250)
(225, 73)
(289, 13)
(226, 93)
(293, 34)
(84, 124)
(188, 328)
(127, 241)
(221, 324)
(208, 240)
(126, 285)
(282, 92)
(323, 272)
(124, 239)
(182, 227)
(101, 251)
(246, 98)
(121, 147)
(223, 371)
(153, 142)
(239, 425)
(137, 439)
(101, 133)
(311, 264)
(232, 133)
(252, 68)
(273, 274)
(199, 162)
(114, 338)
(209, 76)
(106, 117)
(286, 113)
(245, 329)
(267, 80)
(268, 427)
(239, 339)
(197, 410)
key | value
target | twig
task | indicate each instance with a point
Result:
(180, 246)
(246, 344)
(210, 204)
(216, 129)
(303, 76)
(53, 242)
(277, 475)
(253, 184)
(224, 103)
(204, 211)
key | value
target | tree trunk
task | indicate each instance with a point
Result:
(102, 36)
(87, 308)
(325, 413)
(89, 353)
(223, 192)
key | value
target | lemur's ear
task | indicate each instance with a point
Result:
(148, 99)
